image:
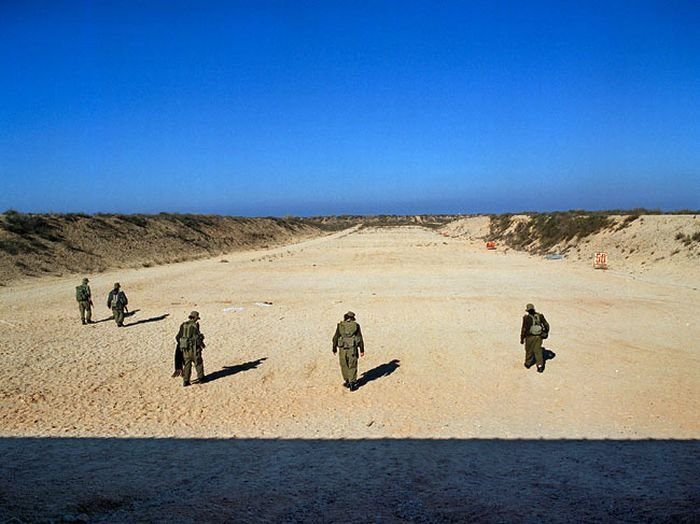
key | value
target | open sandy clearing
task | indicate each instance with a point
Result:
(441, 322)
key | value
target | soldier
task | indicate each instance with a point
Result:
(535, 328)
(84, 297)
(348, 338)
(190, 342)
(117, 302)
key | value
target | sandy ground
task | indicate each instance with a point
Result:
(447, 424)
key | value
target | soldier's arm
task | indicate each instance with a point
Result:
(545, 324)
(524, 328)
(109, 300)
(361, 341)
(335, 338)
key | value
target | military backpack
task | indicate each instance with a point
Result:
(189, 335)
(81, 293)
(537, 327)
(348, 334)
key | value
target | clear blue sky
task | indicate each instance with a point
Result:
(360, 107)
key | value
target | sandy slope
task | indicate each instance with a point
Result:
(441, 320)
(646, 247)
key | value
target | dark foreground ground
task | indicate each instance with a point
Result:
(180, 480)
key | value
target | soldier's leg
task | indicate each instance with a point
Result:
(120, 317)
(188, 357)
(352, 366)
(88, 312)
(529, 354)
(342, 356)
(537, 350)
(199, 365)
(81, 306)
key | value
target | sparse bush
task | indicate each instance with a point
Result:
(137, 220)
(11, 247)
(688, 239)
(499, 224)
(27, 225)
(74, 217)
(548, 229)
(627, 221)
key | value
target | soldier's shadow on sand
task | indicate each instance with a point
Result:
(548, 354)
(147, 320)
(227, 371)
(383, 370)
(110, 317)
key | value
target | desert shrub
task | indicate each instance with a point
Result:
(627, 221)
(499, 224)
(561, 227)
(549, 229)
(688, 239)
(137, 220)
(193, 222)
(11, 247)
(28, 225)
(74, 217)
(101, 221)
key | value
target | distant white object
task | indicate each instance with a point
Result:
(554, 256)
(263, 304)
(233, 309)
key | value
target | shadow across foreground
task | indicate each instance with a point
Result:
(253, 480)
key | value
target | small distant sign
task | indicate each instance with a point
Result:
(490, 244)
(601, 261)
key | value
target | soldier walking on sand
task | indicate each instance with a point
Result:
(84, 297)
(117, 301)
(190, 342)
(535, 328)
(348, 339)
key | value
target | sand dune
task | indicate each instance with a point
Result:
(441, 319)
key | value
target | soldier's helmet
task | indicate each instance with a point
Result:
(529, 307)
(349, 315)
(85, 281)
(194, 315)
(116, 285)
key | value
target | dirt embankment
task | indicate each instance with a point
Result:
(666, 247)
(39, 244)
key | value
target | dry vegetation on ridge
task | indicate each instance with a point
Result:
(55, 244)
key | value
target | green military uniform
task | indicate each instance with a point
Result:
(84, 297)
(190, 342)
(117, 302)
(347, 342)
(534, 328)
